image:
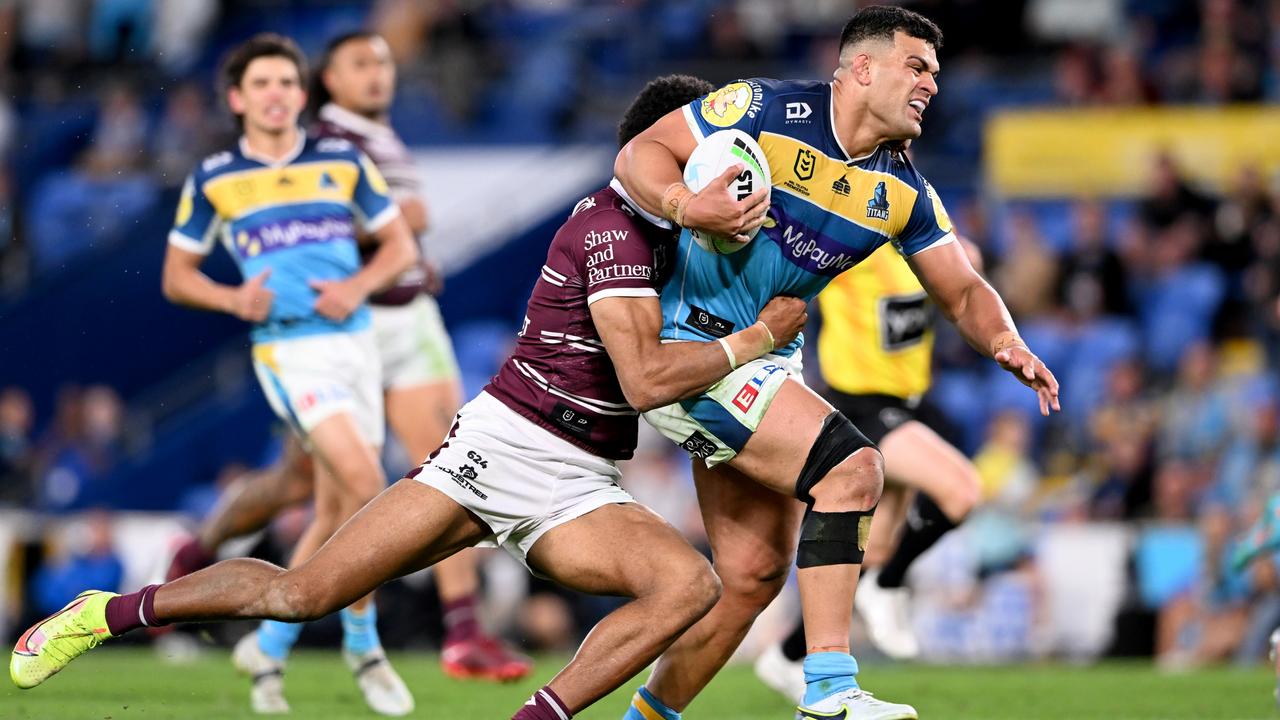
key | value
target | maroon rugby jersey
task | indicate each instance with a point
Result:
(396, 164)
(560, 376)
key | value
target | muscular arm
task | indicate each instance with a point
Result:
(963, 296)
(981, 317)
(652, 373)
(652, 161)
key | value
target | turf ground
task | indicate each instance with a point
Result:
(119, 683)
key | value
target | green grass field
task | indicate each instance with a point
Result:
(118, 683)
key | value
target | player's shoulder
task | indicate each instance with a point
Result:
(602, 214)
(330, 147)
(218, 163)
(892, 161)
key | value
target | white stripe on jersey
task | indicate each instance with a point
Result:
(597, 406)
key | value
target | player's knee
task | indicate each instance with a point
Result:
(292, 598)
(753, 582)
(699, 588)
(843, 471)
(854, 484)
(964, 492)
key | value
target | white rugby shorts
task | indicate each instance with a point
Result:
(715, 425)
(311, 378)
(518, 478)
(413, 344)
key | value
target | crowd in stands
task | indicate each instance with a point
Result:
(1160, 314)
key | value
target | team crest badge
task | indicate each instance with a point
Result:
(878, 205)
(806, 161)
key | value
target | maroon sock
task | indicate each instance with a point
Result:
(460, 623)
(190, 557)
(544, 705)
(132, 611)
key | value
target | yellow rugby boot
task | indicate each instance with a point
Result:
(49, 645)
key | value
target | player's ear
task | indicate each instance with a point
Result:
(861, 68)
(235, 100)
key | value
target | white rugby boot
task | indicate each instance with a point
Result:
(780, 674)
(855, 704)
(384, 691)
(887, 612)
(267, 695)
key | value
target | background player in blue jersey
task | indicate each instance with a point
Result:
(288, 210)
(842, 187)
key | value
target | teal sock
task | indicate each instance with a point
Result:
(277, 638)
(360, 630)
(828, 673)
(644, 700)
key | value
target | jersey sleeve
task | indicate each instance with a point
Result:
(929, 226)
(196, 224)
(617, 261)
(738, 105)
(372, 196)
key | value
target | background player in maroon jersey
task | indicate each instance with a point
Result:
(351, 93)
(530, 463)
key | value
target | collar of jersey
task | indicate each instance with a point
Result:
(352, 121)
(616, 186)
(292, 155)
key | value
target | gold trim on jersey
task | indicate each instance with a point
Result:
(804, 171)
(238, 194)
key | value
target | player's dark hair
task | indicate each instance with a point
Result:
(659, 97)
(318, 94)
(880, 22)
(261, 45)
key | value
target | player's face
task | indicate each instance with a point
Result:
(270, 95)
(361, 76)
(906, 79)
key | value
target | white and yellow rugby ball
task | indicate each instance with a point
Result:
(716, 153)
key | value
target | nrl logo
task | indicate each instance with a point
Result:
(806, 161)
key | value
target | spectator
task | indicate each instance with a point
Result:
(84, 556)
(1093, 279)
(17, 458)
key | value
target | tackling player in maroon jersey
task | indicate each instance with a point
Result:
(529, 465)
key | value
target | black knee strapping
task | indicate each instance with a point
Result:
(837, 440)
(833, 538)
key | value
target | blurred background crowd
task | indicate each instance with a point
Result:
(1156, 298)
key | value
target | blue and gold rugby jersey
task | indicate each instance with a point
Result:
(296, 216)
(828, 211)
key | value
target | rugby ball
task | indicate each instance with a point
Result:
(716, 153)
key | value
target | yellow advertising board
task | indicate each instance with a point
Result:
(1048, 153)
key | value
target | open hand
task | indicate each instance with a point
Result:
(1033, 373)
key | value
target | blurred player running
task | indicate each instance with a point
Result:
(874, 350)
(528, 464)
(288, 209)
(842, 187)
(352, 89)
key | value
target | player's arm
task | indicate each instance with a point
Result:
(650, 168)
(653, 374)
(183, 283)
(195, 228)
(396, 253)
(414, 210)
(981, 316)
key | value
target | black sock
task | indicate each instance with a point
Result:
(794, 647)
(925, 525)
